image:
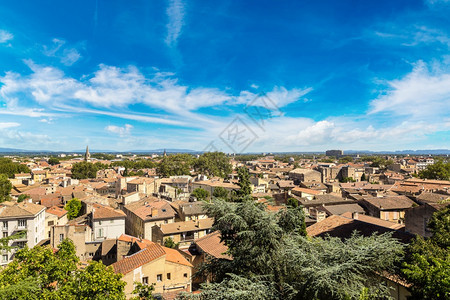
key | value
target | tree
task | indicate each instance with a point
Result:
(244, 182)
(438, 170)
(200, 194)
(73, 208)
(22, 197)
(143, 291)
(10, 168)
(345, 159)
(5, 188)
(363, 177)
(40, 273)
(220, 192)
(276, 259)
(177, 164)
(53, 161)
(213, 164)
(427, 264)
(169, 243)
(4, 241)
(84, 170)
(292, 202)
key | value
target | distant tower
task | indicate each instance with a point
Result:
(164, 154)
(87, 155)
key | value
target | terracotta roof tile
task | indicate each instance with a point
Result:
(129, 263)
(212, 245)
(104, 212)
(57, 211)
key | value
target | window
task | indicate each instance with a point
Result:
(99, 222)
(5, 225)
(61, 237)
(185, 275)
(395, 215)
(100, 232)
(22, 223)
(145, 280)
(91, 254)
(159, 277)
(5, 234)
(5, 258)
(168, 276)
(21, 244)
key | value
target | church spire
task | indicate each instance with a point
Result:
(164, 154)
(87, 155)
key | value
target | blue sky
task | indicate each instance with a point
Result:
(129, 75)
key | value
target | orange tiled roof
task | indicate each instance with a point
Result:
(212, 245)
(57, 211)
(105, 212)
(129, 263)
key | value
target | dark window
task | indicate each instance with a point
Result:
(168, 276)
(159, 277)
(145, 280)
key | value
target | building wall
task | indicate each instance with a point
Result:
(417, 218)
(108, 228)
(178, 280)
(79, 234)
(150, 224)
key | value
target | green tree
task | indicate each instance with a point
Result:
(4, 241)
(73, 208)
(5, 188)
(345, 159)
(200, 194)
(53, 161)
(278, 260)
(427, 264)
(292, 202)
(438, 170)
(213, 164)
(244, 182)
(177, 164)
(22, 197)
(169, 243)
(363, 177)
(84, 170)
(10, 168)
(143, 291)
(220, 192)
(40, 273)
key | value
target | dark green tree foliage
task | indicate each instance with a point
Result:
(10, 168)
(220, 192)
(363, 177)
(200, 194)
(244, 182)
(275, 258)
(345, 159)
(53, 161)
(143, 291)
(427, 264)
(134, 164)
(73, 208)
(85, 170)
(39, 273)
(169, 243)
(439, 170)
(23, 197)
(177, 164)
(5, 188)
(292, 202)
(213, 164)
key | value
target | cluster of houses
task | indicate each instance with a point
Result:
(151, 230)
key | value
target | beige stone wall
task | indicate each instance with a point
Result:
(177, 281)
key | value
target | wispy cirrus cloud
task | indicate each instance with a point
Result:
(5, 36)
(175, 13)
(66, 54)
(4, 125)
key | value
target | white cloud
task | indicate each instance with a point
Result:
(121, 131)
(421, 93)
(175, 13)
(5, 36)
(4, 125)
(67, 55)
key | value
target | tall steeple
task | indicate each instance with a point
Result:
(164, 154)
(87, 155)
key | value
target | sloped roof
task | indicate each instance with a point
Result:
(104, 212)
(212, 245)
(390, 202)
(192, 225)
(143, 209)
(129, 263)
(57, 211)
(23, 209)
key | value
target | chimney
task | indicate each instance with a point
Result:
(154, 212)
(355, 215)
